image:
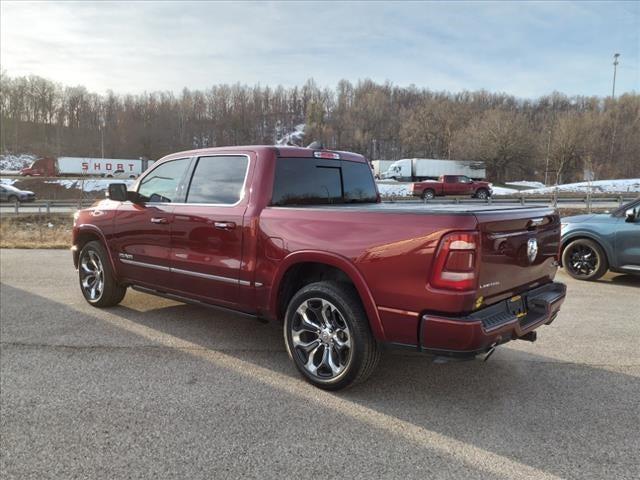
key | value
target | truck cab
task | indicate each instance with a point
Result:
(42, 167)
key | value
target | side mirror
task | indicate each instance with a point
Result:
(118, 192)
(631, 215)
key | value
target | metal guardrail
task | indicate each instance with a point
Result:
(46, 206)
(43, 207)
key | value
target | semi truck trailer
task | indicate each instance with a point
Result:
(419, 169)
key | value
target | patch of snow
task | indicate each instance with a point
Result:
(293, 138)
(395, 189)
(526, 183)
(598, 186)
(504, 190)
(15, 163)
(7, 181)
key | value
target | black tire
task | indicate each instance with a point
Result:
(482, 193)
(93, 263)
(584, 259)
(349, 319)
(428, 194)
(12, 199)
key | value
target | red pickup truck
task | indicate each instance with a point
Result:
(451, 185)
(299, 235)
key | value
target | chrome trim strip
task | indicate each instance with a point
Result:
(145, 265)
(631, 267)
(244, 283)
(204, 275)
(188, 185)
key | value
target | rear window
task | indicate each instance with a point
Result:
(314, 181)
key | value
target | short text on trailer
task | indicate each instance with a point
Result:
(103, 167)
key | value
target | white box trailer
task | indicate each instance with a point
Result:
(418, 169)
(380, 166)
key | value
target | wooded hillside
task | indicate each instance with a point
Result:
(515, 137)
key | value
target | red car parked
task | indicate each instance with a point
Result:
(300, 236)
(451, 185)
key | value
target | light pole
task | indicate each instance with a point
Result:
(615, 68)
(615, 113)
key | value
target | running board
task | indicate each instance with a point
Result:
(199, 303)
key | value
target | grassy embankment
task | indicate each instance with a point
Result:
(36, 231)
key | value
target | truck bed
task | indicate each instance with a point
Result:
(401, 239)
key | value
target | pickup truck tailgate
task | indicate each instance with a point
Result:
(519, 250)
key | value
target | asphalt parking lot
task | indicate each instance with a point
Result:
(157, 389)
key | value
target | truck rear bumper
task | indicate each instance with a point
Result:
(483, 329)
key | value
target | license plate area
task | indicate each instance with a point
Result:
(517, 306)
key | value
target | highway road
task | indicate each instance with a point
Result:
(158, 389)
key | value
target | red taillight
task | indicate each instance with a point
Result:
(455, 262)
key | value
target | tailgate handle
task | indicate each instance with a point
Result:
(535, 222)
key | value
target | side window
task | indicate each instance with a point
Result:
(463, 179)
(218, 180)
(450, 179)
(161, 184)
(358, 183)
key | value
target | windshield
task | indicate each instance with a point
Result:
(620, 211)
(11, 188)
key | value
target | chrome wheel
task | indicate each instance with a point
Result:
(428, 195)
(482, 195)
(91, 275)
(583, 260)
(321, 339)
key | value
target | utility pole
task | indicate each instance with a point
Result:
(615, 68)
(102, 141)
(101, 126)
(546, 167)
(615, 114)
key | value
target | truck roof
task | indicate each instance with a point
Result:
(280, 151)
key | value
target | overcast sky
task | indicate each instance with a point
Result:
(526, 49)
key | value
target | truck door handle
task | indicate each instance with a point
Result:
(224, 225)
(162, 220)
